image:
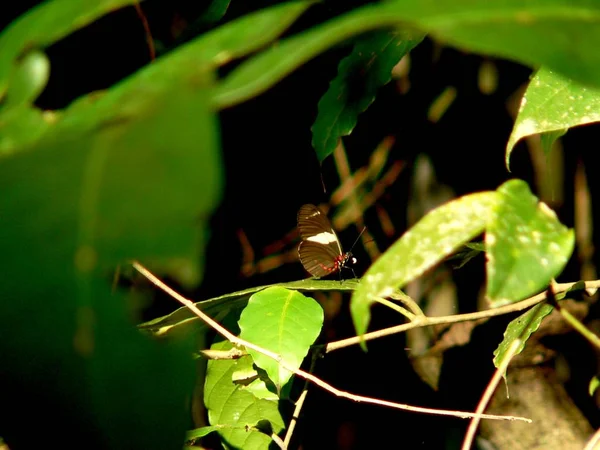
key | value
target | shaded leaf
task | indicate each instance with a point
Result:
(526, 245)
(215, 11)
(284, 322)
(134, 172)
(506, 28)
(45, 24)
(360, 75)
(521, 328)
(553, 103)
(235, 410)
(437, 235)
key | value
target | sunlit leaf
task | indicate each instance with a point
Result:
(183, 317)
(284, 322)
(435, 236)
(521, 328)
(526, 245)
(553, 103)
(235, 410)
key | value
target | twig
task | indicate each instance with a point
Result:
(489, 391)
(299, 403)
(578, 326)
(147, 33)
(594, 442)
(423, 321)
(301, 373)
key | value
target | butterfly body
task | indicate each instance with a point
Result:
(320, 250)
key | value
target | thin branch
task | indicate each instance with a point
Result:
(489, 391)
(423, 321)
(406, 313)
(578, 326)
(301, 373)
(594, 442)
(147, 33)
(299, 404)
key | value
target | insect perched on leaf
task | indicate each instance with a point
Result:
(320, 250)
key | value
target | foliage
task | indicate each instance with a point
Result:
(135, 172)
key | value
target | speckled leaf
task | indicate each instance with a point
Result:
(526, 245)
(360, 75)
(285, 322)
(434, 237)
(553, 102)
(521, 328)
(235, 411)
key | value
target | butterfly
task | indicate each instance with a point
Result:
(320, 250)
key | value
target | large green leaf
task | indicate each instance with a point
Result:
(45, 24)
(561, 34)
(360, 75)
(134, 172)
(221, 305)
(553, 103)
(233, 408)
(526, 245)
(434, 237)
(284, 322)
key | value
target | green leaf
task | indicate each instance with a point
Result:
(594, 385)
(549, 138)
(360, 75)
(223, 304)
(198, 433)
(521, 31)
(434, 237)
(521, 328)
(91, 375)
(244, 35)
(133, 172)
(28, 80)
(284, 322)
(215, 11)
(21, 127)
(553, 103)
(526, 245)
(45, 24)
(234, 409)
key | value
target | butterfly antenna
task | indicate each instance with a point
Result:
(361, 233)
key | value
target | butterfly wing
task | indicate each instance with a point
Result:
(320, 250)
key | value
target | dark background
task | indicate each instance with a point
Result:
(271, 169)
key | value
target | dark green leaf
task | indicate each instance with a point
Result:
(215, 11)
(526, 245)
(134, 172)
(522, 31)
(434, 237)
(360, 75)
(45, 24)
(284, 322)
